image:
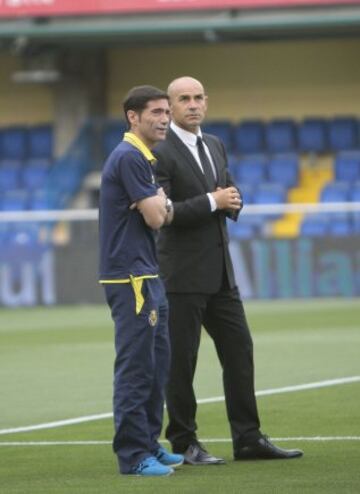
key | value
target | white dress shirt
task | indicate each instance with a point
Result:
(189, 139)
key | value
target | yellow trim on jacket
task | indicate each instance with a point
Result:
(134, 140)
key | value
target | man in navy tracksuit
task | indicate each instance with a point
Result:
(132, 208)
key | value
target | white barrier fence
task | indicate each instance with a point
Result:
(265, 209)
(60, 266)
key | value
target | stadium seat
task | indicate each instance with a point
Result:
(40, 142)
(223, 130)
(10, 172)
(284, 169)
(315, 225)
(340, 224)
(249, 137)
(43, 199)
(247, 192)
(335, 192)
(65, 177)
(347, 166)
(280, 136)
(34, 173)
(355, 192)
(233, 162)
(14, 143)
(242, 229)
(269, 193)
(14, 200)
(313, 135)
(343, 134)
(9, 177)
(112, 134)
(355, 221)
(251, 170)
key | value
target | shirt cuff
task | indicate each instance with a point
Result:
(212, 201)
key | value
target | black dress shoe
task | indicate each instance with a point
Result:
(195, 454)
(263, 449)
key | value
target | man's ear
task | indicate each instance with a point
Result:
(206, 101)
(132, 117)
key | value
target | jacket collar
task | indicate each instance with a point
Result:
(132, 139)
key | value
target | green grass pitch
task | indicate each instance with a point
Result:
(56, 364)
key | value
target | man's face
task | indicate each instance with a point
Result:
(188, 104)
(152, 123)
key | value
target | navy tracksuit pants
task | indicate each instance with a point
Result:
(141, 369)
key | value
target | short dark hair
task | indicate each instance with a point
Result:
(138, 97)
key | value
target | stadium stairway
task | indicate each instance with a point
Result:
(313, 177)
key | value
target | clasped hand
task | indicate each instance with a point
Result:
(228, 198)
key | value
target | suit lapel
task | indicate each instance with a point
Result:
(183, 150)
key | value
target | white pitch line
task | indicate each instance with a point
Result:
(291, 389)
(265, 392)
(206, 440)
(58, 423)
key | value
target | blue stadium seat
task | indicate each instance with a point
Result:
(242, 229)
(43, 199)
(284, 169)
(335, 192)
(247, 192)
(315, 225)
(14, 200)
(233, 162)
(340, 224)
(251, 170)
(224, 130)
(280, 136)
(10, 171)
(356, 222)
(14, 143)
(313, 135)
(250, 137)
(112, 134)
(343, 134)
(355, 192)
(40, 142)
(65, 177)
(347, 166)
(35, 173)
(269, 193)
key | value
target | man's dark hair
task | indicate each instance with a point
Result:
(139, 96)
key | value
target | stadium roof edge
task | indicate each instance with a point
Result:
(301, 20)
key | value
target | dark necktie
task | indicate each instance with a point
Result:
(206, 165)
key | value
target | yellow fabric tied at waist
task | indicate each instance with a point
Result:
(136, 284)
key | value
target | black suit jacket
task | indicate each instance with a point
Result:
(193, 251)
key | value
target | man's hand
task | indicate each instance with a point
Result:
(228, 198)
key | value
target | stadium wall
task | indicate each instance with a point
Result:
(264, 268)
(244, 80)
(22, 103)
(249, 80)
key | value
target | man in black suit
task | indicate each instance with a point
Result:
(197, 270)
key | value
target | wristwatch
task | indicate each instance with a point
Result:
(168, 205)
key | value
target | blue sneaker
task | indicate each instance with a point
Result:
(169, 459)
(150, 467)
